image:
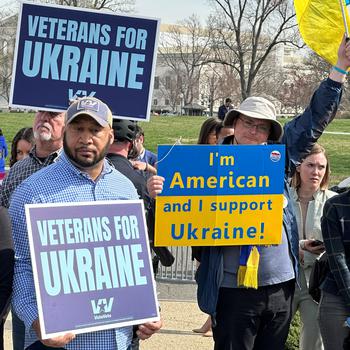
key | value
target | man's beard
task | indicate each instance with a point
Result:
(44, 135)
(81, 163)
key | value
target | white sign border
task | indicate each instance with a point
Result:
(94, 328)
(103, 11)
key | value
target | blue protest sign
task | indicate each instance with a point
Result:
(91, 261)
(235, 170)
(65, 52)
(220, 195)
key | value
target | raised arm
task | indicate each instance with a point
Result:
(302, 132)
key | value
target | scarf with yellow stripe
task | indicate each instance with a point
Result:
(247, 275)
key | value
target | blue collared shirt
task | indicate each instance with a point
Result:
(59, 183)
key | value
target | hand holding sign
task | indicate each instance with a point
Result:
(56, 342)
(146, 330)
(155, 185)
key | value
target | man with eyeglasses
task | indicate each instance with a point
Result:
(247, 318)
(48, 130)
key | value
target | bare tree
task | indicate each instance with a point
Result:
(170, 89)
(245, 33)
(320, 69)
(318, 66)
(219, 82)
(296, 90)
(7, 42)
(183, 49)
(113, 5)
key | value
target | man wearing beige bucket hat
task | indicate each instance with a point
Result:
(248, 318)
(257, 115)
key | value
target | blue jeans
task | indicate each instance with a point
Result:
(18, 332)
(249, 319)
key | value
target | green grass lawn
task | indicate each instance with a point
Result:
(166, 130)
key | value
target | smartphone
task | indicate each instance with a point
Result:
(316, 243)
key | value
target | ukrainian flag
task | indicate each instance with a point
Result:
(321, 25)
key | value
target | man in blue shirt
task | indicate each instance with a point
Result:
(81, 174)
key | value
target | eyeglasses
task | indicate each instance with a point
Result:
(261, 128)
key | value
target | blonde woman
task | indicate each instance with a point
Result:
(309, 193)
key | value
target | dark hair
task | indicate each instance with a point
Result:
(23, 134)
(1, 132)
(228, 100)
(209, 126)
(139, 131)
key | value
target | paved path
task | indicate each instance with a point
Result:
(179, 318)
(336, 133)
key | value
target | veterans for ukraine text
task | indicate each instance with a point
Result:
(62, 61)
(81, 270)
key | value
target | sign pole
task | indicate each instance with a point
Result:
(347, 3)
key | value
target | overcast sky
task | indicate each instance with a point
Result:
(171, 11)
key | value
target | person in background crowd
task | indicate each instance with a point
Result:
(81, 174)
(223, 109)
(20, 147)
(309, 193)
(6, 269)
(3, 155)
(48, 134)
(22, 143)
(210, 129)
(247, 315)
(334, 306)
(141, 158)
(124, 136)
(224, 132)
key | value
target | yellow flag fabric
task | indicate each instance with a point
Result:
(321, 26)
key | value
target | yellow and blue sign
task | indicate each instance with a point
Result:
(220, 195)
